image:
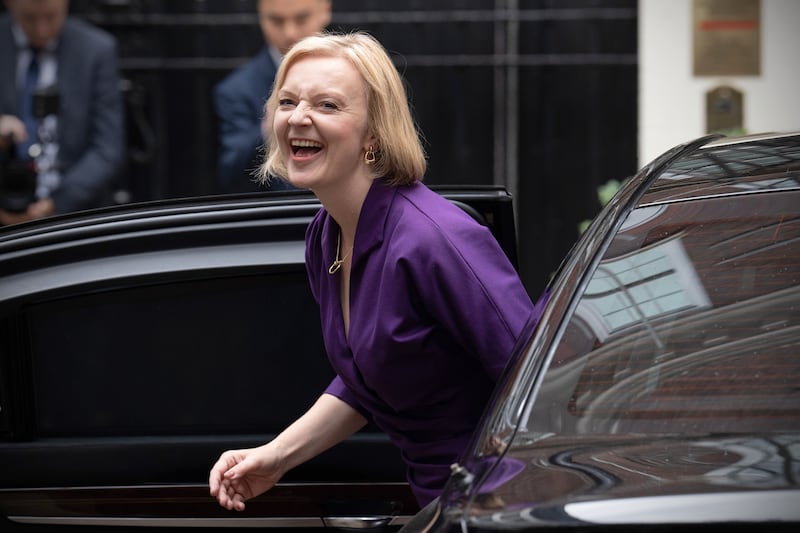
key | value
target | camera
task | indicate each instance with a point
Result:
(46, 102)
(18, 178)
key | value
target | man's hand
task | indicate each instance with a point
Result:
(13, 127)
(38, 209)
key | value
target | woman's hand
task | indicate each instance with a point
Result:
(240, 475)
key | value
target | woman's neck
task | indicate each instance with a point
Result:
(343, 203)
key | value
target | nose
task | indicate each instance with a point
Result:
(299, 116)
(292, 33)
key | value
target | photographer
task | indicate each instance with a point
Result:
(61, 110)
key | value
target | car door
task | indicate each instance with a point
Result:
(138, 343)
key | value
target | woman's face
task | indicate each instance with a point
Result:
(321, 122)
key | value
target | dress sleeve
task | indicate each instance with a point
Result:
(339, 389)
(467, 284)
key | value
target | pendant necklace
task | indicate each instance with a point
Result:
(337, 263)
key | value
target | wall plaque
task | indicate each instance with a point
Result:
(727, 37)
(724, 111)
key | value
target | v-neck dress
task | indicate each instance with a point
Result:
(435, 310)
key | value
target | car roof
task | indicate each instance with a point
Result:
(725, 166)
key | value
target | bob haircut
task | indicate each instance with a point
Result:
(399, 154)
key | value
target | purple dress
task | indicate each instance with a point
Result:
(435, 310)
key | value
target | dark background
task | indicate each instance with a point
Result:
(537, 95)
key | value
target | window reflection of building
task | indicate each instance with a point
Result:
(639, 287)
(688, 323)
(756, 160)
(722, 170)
(763, 463)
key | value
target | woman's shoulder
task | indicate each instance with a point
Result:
(422, 221)
(418, 207)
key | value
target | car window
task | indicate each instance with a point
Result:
(241, 353)
(689, 324)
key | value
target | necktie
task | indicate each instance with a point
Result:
(26, 98)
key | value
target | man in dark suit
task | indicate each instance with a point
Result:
(239, 98)
(78, 65)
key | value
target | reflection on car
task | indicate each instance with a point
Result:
(662, 384)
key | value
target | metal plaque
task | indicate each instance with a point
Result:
(724, 111)
(727, 37)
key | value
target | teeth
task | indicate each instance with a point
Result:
(303, 143)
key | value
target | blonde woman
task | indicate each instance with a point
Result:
(420, 306)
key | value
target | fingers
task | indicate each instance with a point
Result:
(41, 208)
(221, 481)
(11, 125)
(229, 498)
(238, 502)
(215, 477)
(7, 218)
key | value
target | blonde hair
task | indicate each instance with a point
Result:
(399, 154)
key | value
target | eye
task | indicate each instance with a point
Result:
(283, 102)
(328, 106)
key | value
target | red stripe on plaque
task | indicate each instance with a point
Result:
(714, 25)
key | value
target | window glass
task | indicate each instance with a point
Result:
(238, 354)
(690, 324)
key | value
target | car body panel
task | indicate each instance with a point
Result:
(644, 480)
(290, 505)
(666, 365)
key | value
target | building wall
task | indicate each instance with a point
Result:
(538, 96)
(672, 99)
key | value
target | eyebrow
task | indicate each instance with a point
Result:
(325, 93)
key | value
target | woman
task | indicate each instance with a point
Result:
(409, 286)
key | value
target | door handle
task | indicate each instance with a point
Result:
(357, 522)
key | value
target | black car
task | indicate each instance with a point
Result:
(661, 388)
(139, 342)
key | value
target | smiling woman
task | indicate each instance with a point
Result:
(409, 286)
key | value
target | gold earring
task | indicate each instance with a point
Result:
(369, 156)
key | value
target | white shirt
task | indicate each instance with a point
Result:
(48, 66)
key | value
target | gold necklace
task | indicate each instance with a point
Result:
(337, 263)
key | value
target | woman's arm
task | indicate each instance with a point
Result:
(328, 422)
(240, 475)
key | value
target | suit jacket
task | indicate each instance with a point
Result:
(239, 103)
(91, 133)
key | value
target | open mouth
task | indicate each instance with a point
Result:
(305, 147)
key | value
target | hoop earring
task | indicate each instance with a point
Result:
(369, 156)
